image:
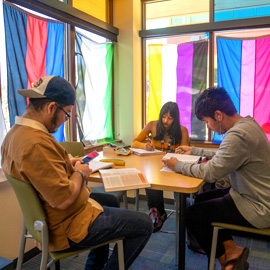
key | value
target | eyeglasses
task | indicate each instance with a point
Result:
(67, 114)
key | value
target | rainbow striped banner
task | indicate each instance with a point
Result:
(34, 49)
(244, 71)
(178, 73)
(94, 65)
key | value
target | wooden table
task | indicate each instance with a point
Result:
(167, 181)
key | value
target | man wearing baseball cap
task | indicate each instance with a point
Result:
(31, 154)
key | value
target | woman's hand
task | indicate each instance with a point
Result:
(149, 146)
(170, 163)
(183, 149)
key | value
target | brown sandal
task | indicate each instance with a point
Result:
(241, 262)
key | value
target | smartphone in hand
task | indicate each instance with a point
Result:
(89, 157)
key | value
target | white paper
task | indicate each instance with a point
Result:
(184, 158)
(97, 165)
(122, 179)
(145, 152)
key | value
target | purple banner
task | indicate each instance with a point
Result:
(184, 83)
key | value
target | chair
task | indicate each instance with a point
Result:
(77, 149)
(34, 221)
(217, 226)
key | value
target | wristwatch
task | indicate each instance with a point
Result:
(81, 173)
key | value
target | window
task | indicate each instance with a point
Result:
(211, 28)
(176, 12)
(240, 9)
(177, 71)
(94, 57)
(57, 10)
(95, 8)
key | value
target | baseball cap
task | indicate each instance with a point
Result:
(53, 87)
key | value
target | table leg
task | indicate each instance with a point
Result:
(182, 232)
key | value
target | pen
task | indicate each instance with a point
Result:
(148, 139)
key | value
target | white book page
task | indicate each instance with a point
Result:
(97, 165)
(117, 178)
(183, 158)
(180, 157)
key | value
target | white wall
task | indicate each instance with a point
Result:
(11, 222)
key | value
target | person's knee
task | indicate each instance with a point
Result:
(113, 201)
(105, 199)
(148, 224)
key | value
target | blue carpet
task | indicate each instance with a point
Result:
(159, 253)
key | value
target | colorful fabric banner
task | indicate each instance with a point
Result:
(35, 48)
(3, 129)
(178, 73)
(244, 71)
(94, 88)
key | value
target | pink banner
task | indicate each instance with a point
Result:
(262, 85)
(247, 78)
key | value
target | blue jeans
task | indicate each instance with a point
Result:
(135, 227)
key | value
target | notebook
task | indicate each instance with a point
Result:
(143, 152)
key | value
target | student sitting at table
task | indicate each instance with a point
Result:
(76, 220)
(166, 134)
(244, 154)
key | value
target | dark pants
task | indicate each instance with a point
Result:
(114, 223)
(213, 206)
(155, 200)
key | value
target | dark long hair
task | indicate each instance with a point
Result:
(174, 132)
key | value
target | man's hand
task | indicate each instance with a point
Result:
(74, 160)
(184, 150)
(77, 184)
(170, 163)
(83, 167)
(149, 146)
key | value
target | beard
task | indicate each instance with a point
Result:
(53, 125)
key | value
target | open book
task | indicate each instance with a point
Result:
(143, 152)
(123, 179)
(183, 158)
(98, 165)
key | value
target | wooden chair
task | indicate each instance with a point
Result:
(77, 149)
(218, 226)
(34, 222)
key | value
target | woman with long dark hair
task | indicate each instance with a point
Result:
(163, 134)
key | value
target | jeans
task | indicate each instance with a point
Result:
(135, 227)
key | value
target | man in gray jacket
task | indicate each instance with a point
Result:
(244, 154)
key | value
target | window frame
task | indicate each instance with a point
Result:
(63, 11)
(211, 28)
